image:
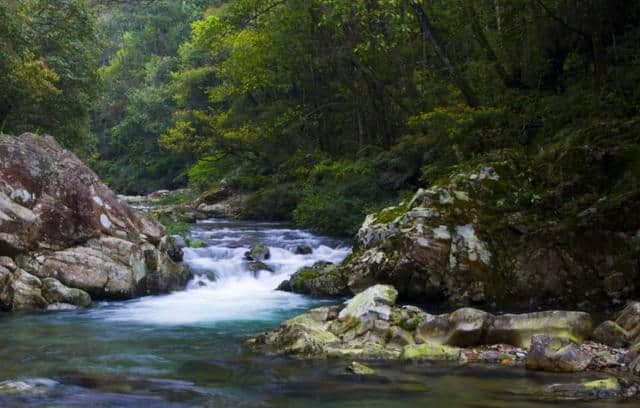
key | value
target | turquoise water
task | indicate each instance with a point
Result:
(186, 349)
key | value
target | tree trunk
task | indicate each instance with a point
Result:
(596, 41)
(427, 28)
(470, 13)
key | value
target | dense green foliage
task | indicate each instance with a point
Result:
(323, 110)
(137, 102)
(48, 63)
(356, 101)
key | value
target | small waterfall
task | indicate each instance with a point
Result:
(224, 289)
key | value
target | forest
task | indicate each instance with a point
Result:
(321, 111)
(320, 203)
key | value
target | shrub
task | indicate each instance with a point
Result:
(274, 203)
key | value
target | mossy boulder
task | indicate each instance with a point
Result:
(430, 351)
(518, 329)
(322, 280)
(556, 354)
(301, 336)
(629, 320)
(611, 334)
(468, 327)
(462, 328)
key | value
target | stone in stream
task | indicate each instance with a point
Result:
(372, 304)
(58, 220)
(430, 351)
(624, 331)
(303, 250)
(518, 329)
(468, 327)
(322, 280)
(611, 334)
(359, 369)
(462, 328)
(629, 320)
(259, 253)
(256, 266)
(556, 354)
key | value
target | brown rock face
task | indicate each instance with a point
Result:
(58, 220)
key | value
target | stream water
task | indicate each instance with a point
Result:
(186, 349)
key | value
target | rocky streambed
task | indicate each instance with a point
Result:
(371, 327)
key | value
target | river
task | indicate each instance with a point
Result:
(186, 349)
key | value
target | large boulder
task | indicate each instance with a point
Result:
(304, 335)
(471, 240)
(611, 334)
(462, 328)
(59, 221)
(629, 320)
(518, 329)
(556, 354)
(469, 327)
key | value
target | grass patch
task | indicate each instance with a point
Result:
(174, 199)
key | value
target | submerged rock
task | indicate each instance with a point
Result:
(430, 351)
(359, 369)
(59, 221)
(258, 266)
(557, 354)
(604, 388)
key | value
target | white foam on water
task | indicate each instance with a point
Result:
(224, 289)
